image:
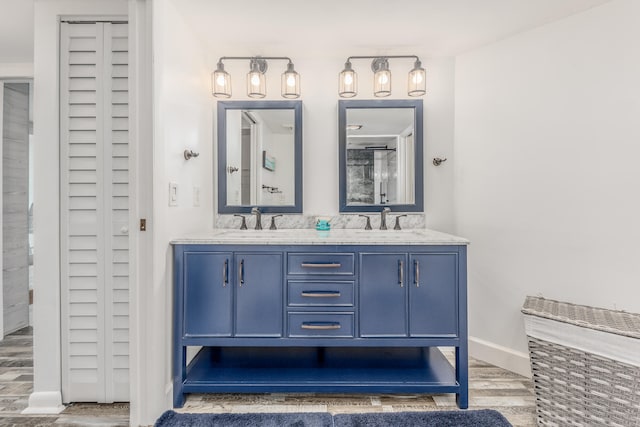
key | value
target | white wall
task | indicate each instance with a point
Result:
(281, 148)
(46, 281)
(546, 177)
(182, 119)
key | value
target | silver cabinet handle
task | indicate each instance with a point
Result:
(401, 273)
(416, 264)
(225, 273)
(321, 264)
(241, 272)
(320, 294)
(321, 325)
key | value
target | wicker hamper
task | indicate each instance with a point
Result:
(585, 363)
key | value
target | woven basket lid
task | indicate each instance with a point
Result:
(612, 321)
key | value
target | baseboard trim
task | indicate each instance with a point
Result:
(44, 402)
(503, 357)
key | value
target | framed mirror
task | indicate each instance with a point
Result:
(381, 157)
(260, 156)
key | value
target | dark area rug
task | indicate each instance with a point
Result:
(468, 418)
(309, 419)
(475, 418)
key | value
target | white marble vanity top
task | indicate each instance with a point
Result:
(313, 237)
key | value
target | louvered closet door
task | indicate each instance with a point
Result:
(94, 212)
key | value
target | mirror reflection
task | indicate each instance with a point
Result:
(380, 156)
(259, 144)
(381, 146)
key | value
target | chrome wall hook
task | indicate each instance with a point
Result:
(189, 154)
(437, 161)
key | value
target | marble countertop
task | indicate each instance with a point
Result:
(313, 237)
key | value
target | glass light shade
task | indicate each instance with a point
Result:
(382, 82)
(220, 82)
(256, 82)
(290, 83)
(348, 82)
(417, 80)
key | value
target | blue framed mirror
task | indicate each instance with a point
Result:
(260, 156)
(381, 155)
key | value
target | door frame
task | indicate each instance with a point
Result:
(141, 250)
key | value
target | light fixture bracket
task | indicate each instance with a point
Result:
(380, 63)
(260, 63)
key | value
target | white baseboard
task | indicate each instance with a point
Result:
(500, 356)
(44, 402)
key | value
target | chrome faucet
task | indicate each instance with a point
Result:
(383, 218)
(256, 211)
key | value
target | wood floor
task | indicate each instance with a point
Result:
(490, 387)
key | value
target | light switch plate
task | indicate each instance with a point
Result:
(173, 194)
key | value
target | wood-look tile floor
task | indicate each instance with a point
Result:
(490, 387)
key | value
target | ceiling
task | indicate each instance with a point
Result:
(429, 28)
(347, 27)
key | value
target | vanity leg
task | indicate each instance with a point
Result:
(462, 376)
(179, 375)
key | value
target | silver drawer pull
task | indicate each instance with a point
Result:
(320, 294)
(321, 264)
(320, 325)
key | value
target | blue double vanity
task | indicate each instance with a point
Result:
(353, 311)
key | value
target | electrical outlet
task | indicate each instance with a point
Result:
(173, 194)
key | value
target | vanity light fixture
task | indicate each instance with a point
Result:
(382, 77)
(256, 78)
(221, 82)
(348, 81)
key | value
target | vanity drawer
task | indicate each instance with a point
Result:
(320, 263)
(302, 325)
(314, 293)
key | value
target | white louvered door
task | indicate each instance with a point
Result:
(94, 207)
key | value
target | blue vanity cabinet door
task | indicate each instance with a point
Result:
(259, 294)
(207, 294)
(433, 295)
(383, 302)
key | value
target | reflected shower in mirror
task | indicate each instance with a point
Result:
(259, 146)
(380, 155)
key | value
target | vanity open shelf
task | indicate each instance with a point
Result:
(320, 317)
(320, 369)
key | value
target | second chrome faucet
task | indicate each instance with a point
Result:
(256, 211)
(383, 218)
